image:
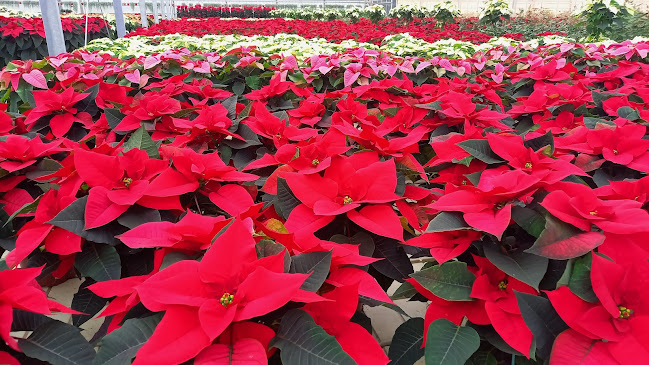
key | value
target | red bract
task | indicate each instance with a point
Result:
(578, 205)
(497, 290)
(18, 289)
(335, 317)
(202, 298)
(38, 231)
(620, 317)
(117, 182)
(17, 152)
(60, 106)
(346, 185)
(192, 233)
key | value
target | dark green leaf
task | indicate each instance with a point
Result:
(137, 215)
(27, 208)
(72, 219)
(58, 343)
(396, 264)
(628, 113)
(27, 321)
(141, 140)
(303, 342)
(579, 282)
(404, 291)
(315, 263)
(482, 358)
(252, 139)
(99, 262)
(447, 221)
(85, 301)
(541, 318)
(113, 117)
(267, 248)
(522, 266)
(120, 346)
(480, 149)
(449, 344)
(450, 281)
(561, 241)
(286, 200)
(406, 347)
(238, 87)
(530, 220)
(541, 142)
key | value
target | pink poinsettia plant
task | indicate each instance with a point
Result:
(211, 220)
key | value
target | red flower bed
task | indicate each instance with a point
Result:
(12, 26)
(222, 207)
(199, 11)
(24, 38)
(334, 31)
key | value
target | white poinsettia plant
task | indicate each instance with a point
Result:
(494, 11)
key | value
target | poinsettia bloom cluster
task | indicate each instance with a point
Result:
(219, 207)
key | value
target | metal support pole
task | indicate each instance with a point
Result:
(143, 19)
(156, 20)
(119, 18)
(53, 28)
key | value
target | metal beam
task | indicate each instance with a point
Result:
(143, 19)
(119, 18)
(155, 12)
(53, 28)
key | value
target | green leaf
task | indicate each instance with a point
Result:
(99, 262)
(561, 241)
(628, 113)
(314, 263)
(480, 149)
(137, 215)
(120, 346)
(449, 344)
(286, 200)
(541, 318)
(522, 266)
(530, 220)
(27, 321)
(482, 358)
(579, 282)
(72, 219)
(395, 264)
(404, 291)
(447, 221)
(541, 142)
(113, 117)
(87, 302)
(238, 87)
(141, 140)
(303, 342)
(267, 248)
(451, 280)
(406, 347)
(58, 343)
(27, 208)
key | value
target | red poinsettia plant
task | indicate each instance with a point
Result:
(252, 213)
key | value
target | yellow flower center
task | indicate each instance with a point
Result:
(593, 212)
(127, 181)
(227, 299)
(615, 152)
(347, 200)
(625, 312)
(502, 285)
(528, 165)
(315, 162)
